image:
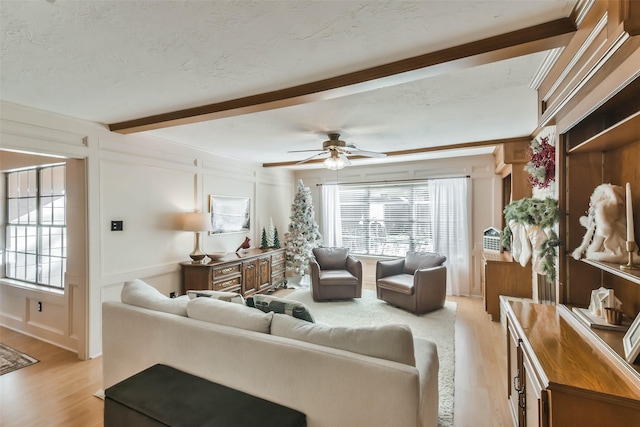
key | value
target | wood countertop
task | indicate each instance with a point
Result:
(567, 356)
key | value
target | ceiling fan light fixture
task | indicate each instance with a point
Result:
(334, 162)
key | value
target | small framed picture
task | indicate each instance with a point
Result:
(631, 341)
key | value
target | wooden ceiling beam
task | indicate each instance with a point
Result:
(509, 45)
(460, 146)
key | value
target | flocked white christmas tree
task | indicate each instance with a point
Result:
(270, 233)
(303, 234)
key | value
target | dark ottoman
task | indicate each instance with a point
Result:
(164, 396)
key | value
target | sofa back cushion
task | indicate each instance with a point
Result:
(229, 314)
(141, 294)
(416, 260)
(389, 342)
(221, 295)
(331, 258)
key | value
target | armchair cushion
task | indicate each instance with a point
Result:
(331, 258)
(402, 283)
(417, 260)
(337, 277)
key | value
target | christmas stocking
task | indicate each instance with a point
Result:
(520, 247)
(536, 236)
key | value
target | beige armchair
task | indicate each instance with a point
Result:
(335, 274)
(417, 282)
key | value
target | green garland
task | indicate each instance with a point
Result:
(543, 213)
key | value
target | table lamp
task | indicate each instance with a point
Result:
(197, 222)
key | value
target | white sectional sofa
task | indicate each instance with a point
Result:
(332, 386)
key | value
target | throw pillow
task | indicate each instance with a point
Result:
(417, 260)
(141, 294)
(269, 303)
(222, 296)
(389, 342)
(235, 315)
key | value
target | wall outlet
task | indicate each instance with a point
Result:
(172, 295)
(39, 305)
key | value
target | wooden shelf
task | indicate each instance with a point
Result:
(616, 136)
(614, 268)
(611, 343)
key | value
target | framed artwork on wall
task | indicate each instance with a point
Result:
(631, 341)
(230, 214)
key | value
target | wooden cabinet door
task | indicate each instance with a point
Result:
(514, 377)
(264, 273)
(516, 381)
(249, 277)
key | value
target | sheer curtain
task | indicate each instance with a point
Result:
(331, 221)
(450, 220)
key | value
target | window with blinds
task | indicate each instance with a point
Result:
(36, 242)
(386, 220)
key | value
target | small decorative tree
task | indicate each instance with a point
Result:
(303, 233)
(276, 238)
(270, 233)
(264, 244)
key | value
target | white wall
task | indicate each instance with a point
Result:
(485, 195)
(146, 183)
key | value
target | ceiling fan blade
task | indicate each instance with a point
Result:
(366, 153)
(310, 158)
(345, 159)
(303, 151)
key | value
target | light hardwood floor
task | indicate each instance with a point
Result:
(58, 391)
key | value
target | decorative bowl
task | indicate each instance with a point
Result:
(215, 256)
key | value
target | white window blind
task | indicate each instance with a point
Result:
(386, 219)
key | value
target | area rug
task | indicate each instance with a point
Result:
(12, 360)
(437, 326)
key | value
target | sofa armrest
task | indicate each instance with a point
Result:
(430, 285)
(315, 272)
(354, 266)
(428, 365)
(389, 267)
(430, 275)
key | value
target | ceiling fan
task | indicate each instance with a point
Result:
(337, 151)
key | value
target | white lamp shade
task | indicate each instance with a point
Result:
(334, 162)
(196, 221)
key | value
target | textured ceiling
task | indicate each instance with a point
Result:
(121, 60)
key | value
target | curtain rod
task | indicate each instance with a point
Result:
(396, 181)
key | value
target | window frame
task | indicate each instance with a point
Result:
(417, 217)
(45, 229)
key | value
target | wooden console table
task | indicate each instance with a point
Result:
(500, 275)
(561, 374)
(248, 272)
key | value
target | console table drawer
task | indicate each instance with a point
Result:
(226, 270)
(231, 284)
(278, 278)
(277, 258)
